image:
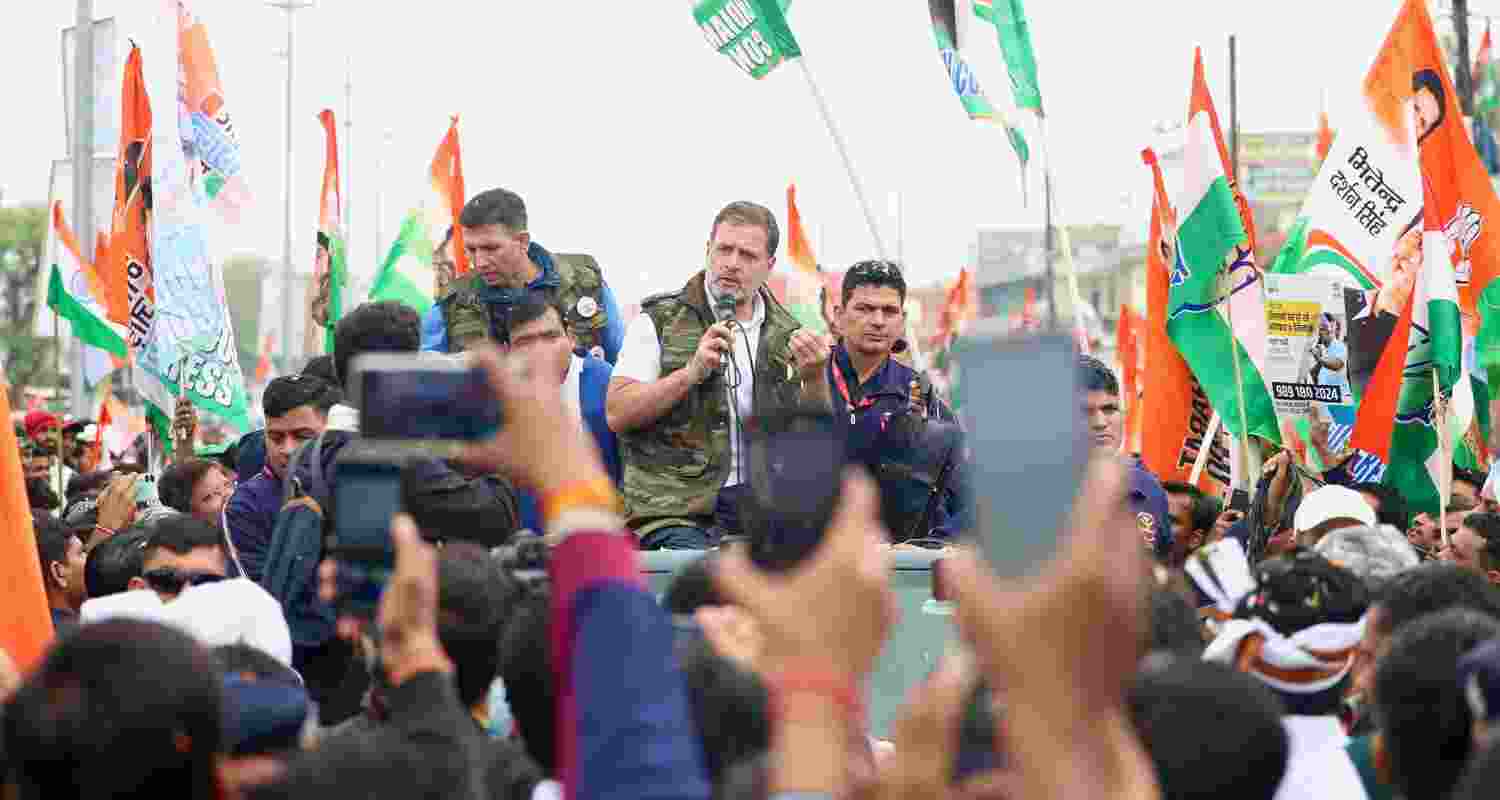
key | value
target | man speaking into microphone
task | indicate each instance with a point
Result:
(696, 364)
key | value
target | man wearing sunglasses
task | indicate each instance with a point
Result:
(183, 551)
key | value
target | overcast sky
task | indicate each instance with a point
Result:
(625, 132)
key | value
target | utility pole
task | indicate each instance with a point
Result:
(1234, 111)
(83, 168)
(288, 274)
(1463, 78)
(385, 143)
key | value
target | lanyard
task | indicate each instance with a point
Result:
(843, 386)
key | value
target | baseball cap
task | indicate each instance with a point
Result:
(38, 421)
(1375, 554)
(1329, 503)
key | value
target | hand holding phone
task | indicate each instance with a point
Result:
(796, 462)
(367, 496)
(406, 397)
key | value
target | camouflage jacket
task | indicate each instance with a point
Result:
(473, 310)
(675, 467)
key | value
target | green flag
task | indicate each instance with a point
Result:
(406, 276)
(753, 33)
(1009, 19)
(87, 326)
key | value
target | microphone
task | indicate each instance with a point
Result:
(724, 306)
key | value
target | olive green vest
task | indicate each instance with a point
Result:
(581, 289)
(675, 467)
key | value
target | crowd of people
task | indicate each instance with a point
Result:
(1317, 641)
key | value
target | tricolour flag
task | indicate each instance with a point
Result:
(753, 33)
(26, 625)
(959, 306)
(803, 282)
(407, 274)
(130, 225)
(263, 365)
(1216, 312)
(330, 272)
(217, 144)
(798, 249)
(1176, 404)
(88, 327)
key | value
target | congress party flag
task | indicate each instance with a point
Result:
(407, 275)
(191, 349)
(1009, 19)
(330, 273)
(216, 146)
(1173, 400)
(1216, 311)
(753, 33)
(946, 30)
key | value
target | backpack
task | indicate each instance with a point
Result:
(297, 543)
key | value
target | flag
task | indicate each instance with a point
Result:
(1216, 312)
(215, 138)
(1173, 400)
(958, 308)
(407, 274)
(190, 349)
(1128, 349)
(1486, 85)
(945, 29)
(330, 271)
(130, 224)
(263, 366)
(87, 326)
(753, 33)
(1325, 137)
(1009, 19)
(798, 249)
(83, 312)
(26, 625)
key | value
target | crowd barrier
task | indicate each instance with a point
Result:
(920, 638)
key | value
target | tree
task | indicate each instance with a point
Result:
(29, 359)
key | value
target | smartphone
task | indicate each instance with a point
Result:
(366, 495)
(796, 464)
(423, 397)
(1026, 444)
(979, 748)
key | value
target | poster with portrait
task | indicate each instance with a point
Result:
(1307, 343)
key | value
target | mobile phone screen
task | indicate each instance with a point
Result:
(366, 497)
(427, 404)
(796, 470)
(1026, 443)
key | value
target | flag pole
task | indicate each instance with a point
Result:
(1445, 470)
(1064, 241)
(1204, 447)
(838, 142)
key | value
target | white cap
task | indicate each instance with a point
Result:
(1332, 502)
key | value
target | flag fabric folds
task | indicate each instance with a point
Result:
(130, 224)
(407, 275)
(1216, 312)
(82, 311)
(26, 625)
(945, 29)
(1009, 19)
(753, 33)
(330, 273)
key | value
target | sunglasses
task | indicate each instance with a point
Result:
(171, 581)
(874, 269)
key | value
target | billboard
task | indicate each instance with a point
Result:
(1277, 169)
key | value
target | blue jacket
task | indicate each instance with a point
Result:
(864, 415)
(435, 326)
(250, 519)
(593, 388)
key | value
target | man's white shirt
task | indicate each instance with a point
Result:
(640, 360)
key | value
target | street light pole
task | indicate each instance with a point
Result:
(288, 307)
(346, 197)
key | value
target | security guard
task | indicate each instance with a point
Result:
(888, 412)
(1102, 415)
(506, 266)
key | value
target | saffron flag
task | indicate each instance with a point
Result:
(753, 33)
(959, 307)
(407, 275)
(263, 365)
(191, 349)
(1172, 399)
(1128, 349)
(130, 224)
(1325, 137)
(1216, 313)
(26, 625)
(330, 271)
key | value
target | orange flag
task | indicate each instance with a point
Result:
(447, 175)
(263, 366)
(1325, 136)
(26, 625)
(1174, 402)
(128, 274)
(1128, 342)
(798, 249)
(958, 308)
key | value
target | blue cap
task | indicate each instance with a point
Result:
(262, 716)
